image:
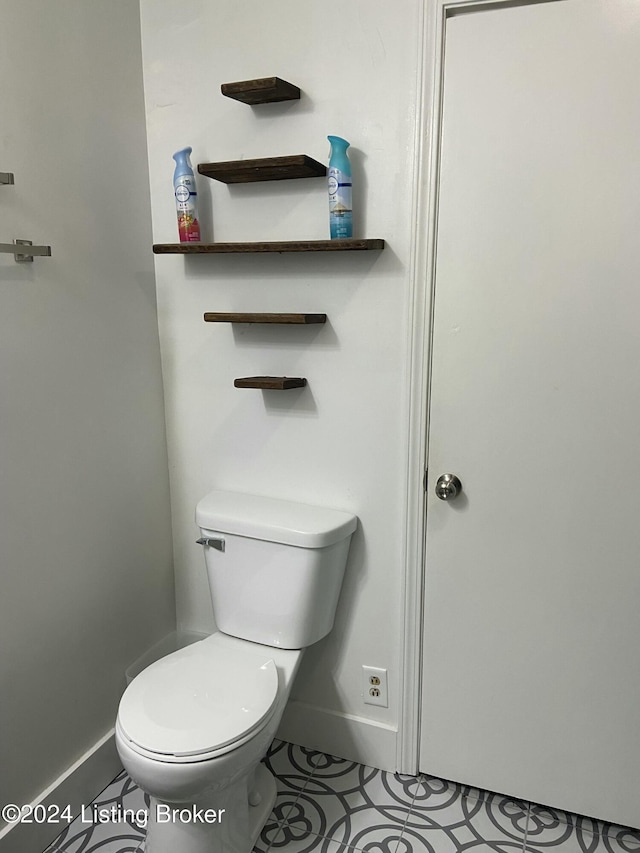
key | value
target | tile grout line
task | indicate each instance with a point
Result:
(285, 817)
(353, 847)
(315, 834)
(401, 830)
(421, 780)
(347, 845)
(526, 829)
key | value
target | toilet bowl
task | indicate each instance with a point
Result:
(191, 732)
(193, 727)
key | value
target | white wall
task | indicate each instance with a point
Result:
(85, 545)
(341, 441)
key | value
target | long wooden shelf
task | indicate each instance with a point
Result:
(237, 317)
(271, 383)
(265, 90)
(263, 169)
(286, 246)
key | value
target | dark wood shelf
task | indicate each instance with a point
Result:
(286, 246)
(263, 169)
(295, 319)
(265, 90)
(271, 383)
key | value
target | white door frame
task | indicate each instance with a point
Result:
(422, 281)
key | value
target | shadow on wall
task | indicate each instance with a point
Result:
(315, 683)
(272, 266)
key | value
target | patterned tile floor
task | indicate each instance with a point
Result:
(330, 805)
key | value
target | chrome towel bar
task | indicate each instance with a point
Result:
(27, 250)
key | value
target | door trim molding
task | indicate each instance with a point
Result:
(422, 267)
(422, 276)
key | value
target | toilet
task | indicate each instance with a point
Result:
(193, 727)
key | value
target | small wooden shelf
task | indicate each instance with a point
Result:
(295, 319)
(287, 246)
(265, 90)
(271, 383)
(264, 169)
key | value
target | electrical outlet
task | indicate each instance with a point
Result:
(375, 686)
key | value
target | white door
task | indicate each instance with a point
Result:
(531, 682)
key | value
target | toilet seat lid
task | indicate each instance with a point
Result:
(196, 701)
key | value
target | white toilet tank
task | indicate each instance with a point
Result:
(275, 567)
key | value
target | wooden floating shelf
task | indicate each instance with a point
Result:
(264, 169)
(271, 383)
(287, 246)
(295, 319)
(265, 90)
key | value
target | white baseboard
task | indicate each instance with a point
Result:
(76, 787)
(339, 734)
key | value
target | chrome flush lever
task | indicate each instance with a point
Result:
(218, 544)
